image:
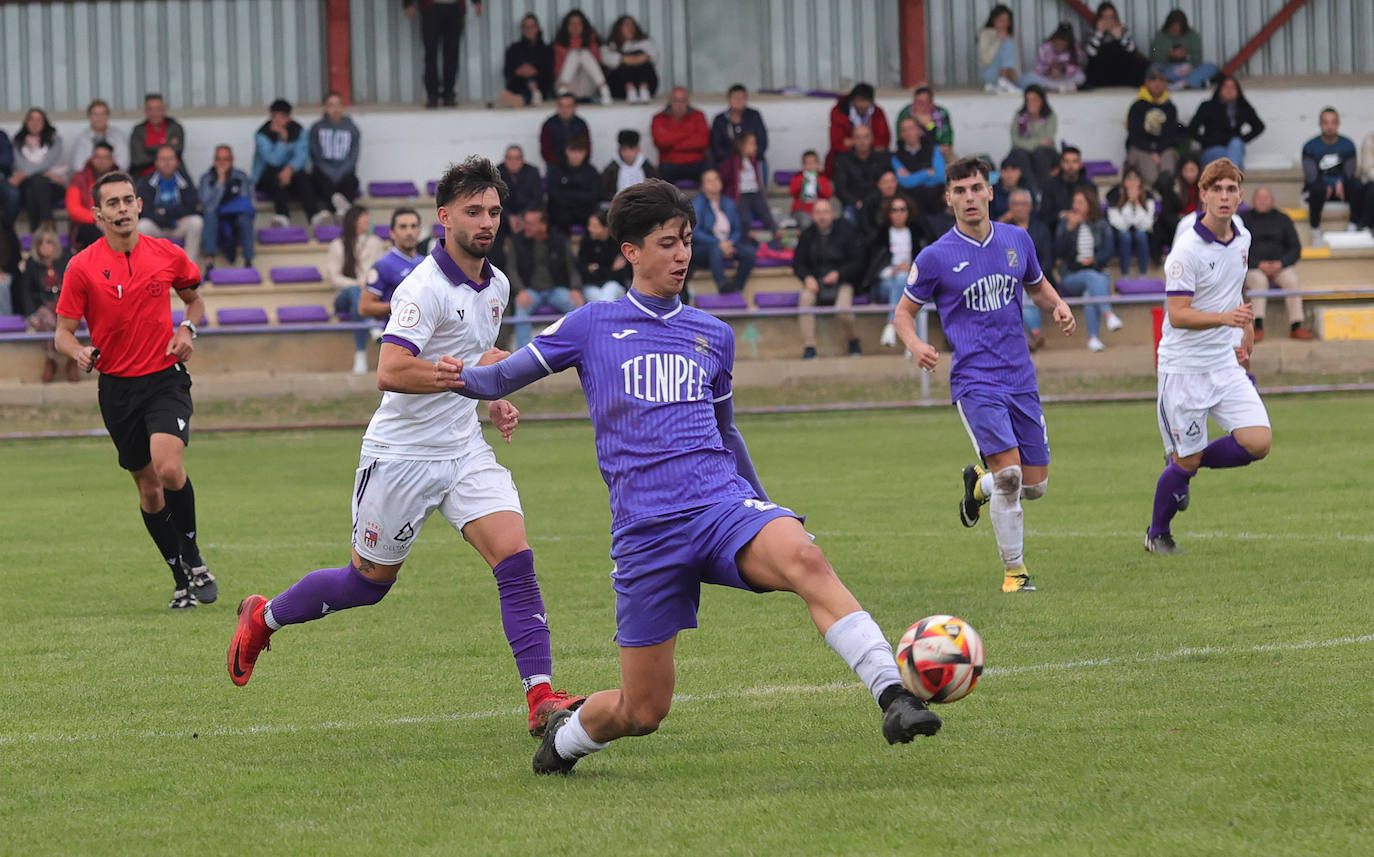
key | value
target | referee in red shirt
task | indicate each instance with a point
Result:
(121, 285)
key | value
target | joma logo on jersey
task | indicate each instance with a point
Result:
(990, 293)
(664, 378)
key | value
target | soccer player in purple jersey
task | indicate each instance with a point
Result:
(687, 506)
(975, 273)
(374, 301)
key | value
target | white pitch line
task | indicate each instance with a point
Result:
(746, 693)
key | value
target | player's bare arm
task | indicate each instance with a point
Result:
(179, 346)
(371, 306)
(904, 320)
(399, 371)
(1183, 316)
(66, 342)
(1047, 298)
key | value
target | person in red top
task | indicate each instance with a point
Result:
(120, 285)
(80, 200)
(682, 138)
(856, 108)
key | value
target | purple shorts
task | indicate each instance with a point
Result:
(660, 564)
(997, 422)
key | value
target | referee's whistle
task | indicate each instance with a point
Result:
(95, 355)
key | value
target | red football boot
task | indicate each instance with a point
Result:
(251, 638)
(545, 701)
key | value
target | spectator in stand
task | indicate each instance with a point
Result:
(1033, 132)
(1152, 130)
(526, 194)
(280, 155)
(334, 146)
(1083, 245)
(999, 59)
(529, 66)
(171, 204)
(1059, 190)
(1020, 207)
(1225, 123)
(742, 176)
(1178, 199)
(1329, 173)
(81, 197)
(226, 200)
(577, 59)
(920, 166)
(9, 190)
(887, 189)
(1178, 48)
(855, 109)
(10, 260)
(441, 21)
(856, 177)
(1059, 62)
(808, 186)
(1274, 249)
(99, 131)
(35, 294)
(40, 171)
(932, 119)
(682, 138)
(828, 261)
(1131, 209)
(1113, 59)
(156, 129)
(891, 252)
(738, 118)
(349, 261)
(548, 274)
(1366, 161)
(1010, 178)
(630, 166)
(720, 236)
(631, 57)
(563, 125)
(374, 301)
(600, 264)
(574, 189)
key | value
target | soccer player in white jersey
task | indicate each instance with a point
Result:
(1200, 371)
(424, 451)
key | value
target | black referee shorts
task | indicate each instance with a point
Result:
(134, 409)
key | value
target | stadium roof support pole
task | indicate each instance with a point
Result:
(911, 28)
(1265, 34)
(337, 49)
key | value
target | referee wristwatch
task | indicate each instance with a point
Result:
(189, 325)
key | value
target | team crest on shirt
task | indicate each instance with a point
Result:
(1012, 259)
(370, 533)
(702, 346)
(495, 308)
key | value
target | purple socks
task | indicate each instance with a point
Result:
(322, 592)
(1171, 490)
(523, 616)
(1226, 452)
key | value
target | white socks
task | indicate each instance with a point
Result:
(1028, 492)
(1007, 523)
(573, 742)
(860, 642)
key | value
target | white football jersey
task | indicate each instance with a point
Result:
(435, 311)
(1214, 274)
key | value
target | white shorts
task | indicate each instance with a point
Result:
(1185, 402)
(393, 497)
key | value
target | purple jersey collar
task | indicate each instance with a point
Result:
(454, 273)
(654, 307)
(1209, 236)
(992, 229)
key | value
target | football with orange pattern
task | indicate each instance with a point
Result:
(941, 658)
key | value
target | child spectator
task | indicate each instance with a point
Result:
(891, 252)
(35, 294)
(720, 236)
(335, 143)
(808, 186)
(81, 198)
(920, 166)
(574, 188)
(1178, 48)
(1034, 129)
(631, 57)
(226, 199)
(742, 176)
(1059, 62)
(529, 67)
(99, 131)
(350, 258)
(855, 109)
(156, 129)
(682, 138)
(40, 172)
(630, 166)
(734, 120)
(1113, 59)
(577, 59)
(1083, 246)
(1223, 124)
(999, 60)
(280, 155)
(600, 264)
(1131, 212)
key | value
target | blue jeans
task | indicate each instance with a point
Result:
(1195, 79)
(891, 290)
(1006, 58)
(1234, 149)
(558, 297)
(1133, 242)
(744, 264)
(1091, 283)
(346, 305)
(228, 234)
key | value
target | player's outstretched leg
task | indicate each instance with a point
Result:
(971, 506)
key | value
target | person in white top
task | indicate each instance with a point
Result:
(348, 260)
(99, 131)
(424, 451)
(1200, 372)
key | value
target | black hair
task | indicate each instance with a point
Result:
(1045, 111)
(153, 96)
(1071, 149)
(736, 87)
(1177, 16)
(157, 151)
(600, 217)
(627, 139)
(530, 16)
(967, 168)
(1064, 31)
(577, 143)
(401, 212)
(281, 105)
(112, 177)
(810, 153)
(45, 136)
(923, 90)
(999, 9)
(641, 208)
(614, 36)
(1105, 6)
(1325, 110)
(862, 90)
(1240, 93)
(471, 177)
(103, 145)
(564, 38)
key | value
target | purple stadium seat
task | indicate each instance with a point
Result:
(392, 189)
(777, 300)
(431, 186)
(438, 230)
(783, 178)
(1093, 169)
(235, 277)
(757, 224)
(382, 231)
(577, 229)
(296, 274)
(12, 324)
(734, 300)
(686, 184)
(261, 197)
(772, 263)
(241, 315)
(302, 315)
(283, 235)
(26, 241)
(326, 232)
(823, 93)
(544, 309)
(1140, 286)
(862, 300)
(179, 314)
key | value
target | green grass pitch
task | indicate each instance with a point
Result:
(1212, 703)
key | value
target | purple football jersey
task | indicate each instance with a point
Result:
(388, 272)
(651, 383)
(977, 289)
